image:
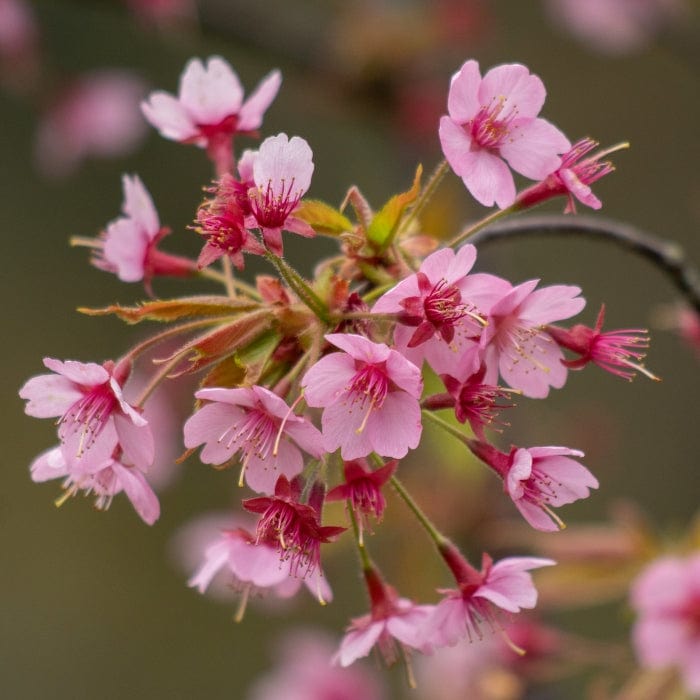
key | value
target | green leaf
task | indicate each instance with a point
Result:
(174, 309)
(386, 221)
(322, 217)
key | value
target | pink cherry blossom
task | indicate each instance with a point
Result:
(254, 566)
(539, 478)
(282, 170)
(96, 115)
(93, 416)
(303, 672)
(370, 398)
(481, 595)
(515, 344)
(392, 621)
(19, 45)
(619, 352)
(259, 425)
(209, 106)
(493, 121)
(105, 481)
(430, 300)
(292, 526)
(666, 597)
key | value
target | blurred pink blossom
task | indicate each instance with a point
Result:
(97, 115)
(164, 13)
(19, 50)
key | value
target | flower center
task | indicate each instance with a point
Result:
(273, 204)
(487, 129)
(88, 416)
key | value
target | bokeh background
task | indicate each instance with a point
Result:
(93, 604)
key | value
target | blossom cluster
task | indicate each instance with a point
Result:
(315, 388)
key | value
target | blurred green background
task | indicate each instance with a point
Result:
(93, 606)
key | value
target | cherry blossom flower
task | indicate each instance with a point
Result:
(96, 115)
(619, 352)
(430, 300)
(209, 109)
(128, 247)
(282, 170)
(221, 220)
(666, 597)
(505, 585)
(514, 343)
(363, 490)
(303, 672)
(493, 121)
(573, 178)
(293, 527)
(392, 621)
(537, 478)
(105, 481)
(370, 398)
(254, 566)
(93, 416)
(19, 39)
(259, 425)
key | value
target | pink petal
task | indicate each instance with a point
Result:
(551, 304)
(462, 99)
(210, 94)
(168, 116)
(258, 564)
(251, 113)
(139, 492)
(488, 178)
(284, 164)
(404, 374)
(572, 479)
(328, 379)
(125, 249)
(318, 585)
(359, 347)
(660, 641)
(580, 190)
(448, 623)
(49, 395)
(214, 425)
(306, 435)
(394, 428)
(136, 441)
(341, 422)
(456, 142)
(534, 147)
(262, 474)
(216, 557)
(536, 516)
(138, 205)
(49, 465)
(244, 397)
(357, 643)
(86, 374)
(524, 93)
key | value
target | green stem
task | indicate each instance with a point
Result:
(451, 429)
(435, 535)
(428, 191)
(361, 549)
(473, 228)
(158, 377)
(300, 287)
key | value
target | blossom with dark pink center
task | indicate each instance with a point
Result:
(493, 121)
(363, 490)
(259, 425)
(253, 566)
(539, 478)
(480, 596)
(515, 344)
(392, 622)
(293, 527)
(221, 220)
(430, 301)
(573, 178)
(369, 394)
(128, 247)
(105, 480)
(282, 172)
(666, 597)
(619, 352)
(209, 109)
(93, 416)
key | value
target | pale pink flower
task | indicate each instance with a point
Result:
(293, 527)
(573, 178)
(93, 416)
(105, 481)
(616, 26)
(370, 398)
(209, 106)
(539, 478)
(430, 301)
(493, 121)
(96, 115)
(619, 352)
(666, 597)
(282, 170)
(515, 344)
(259, 425)
(304, 672)
(19, 40)
(392, 621)
(481, 595)
(253, 566)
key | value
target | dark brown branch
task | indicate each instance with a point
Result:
(667, 255)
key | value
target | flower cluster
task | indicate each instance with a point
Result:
(315, 388)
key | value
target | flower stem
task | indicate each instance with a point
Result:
(451, 429)
(361, 549)
(473, 228)
(300, 287)
(428, 191)
(435, 535)
(228, 276)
